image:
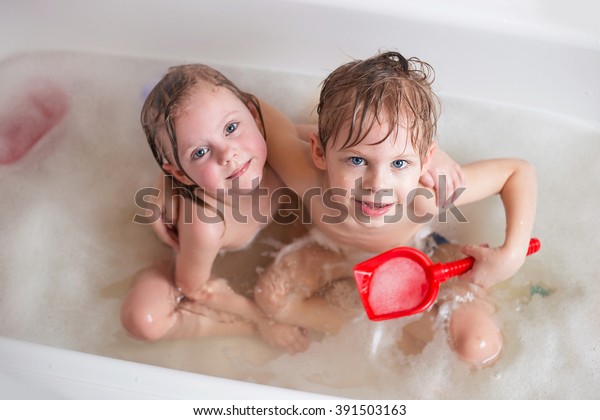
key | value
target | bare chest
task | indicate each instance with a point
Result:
(376, 237)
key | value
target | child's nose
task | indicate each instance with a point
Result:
(227, 154)
(375, 180)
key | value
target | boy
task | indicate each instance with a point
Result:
(359, 180)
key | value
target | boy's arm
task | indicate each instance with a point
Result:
(515, 181)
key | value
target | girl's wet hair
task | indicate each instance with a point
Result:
(168, 97)
(386, 88)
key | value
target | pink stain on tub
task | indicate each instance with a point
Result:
(29, 116)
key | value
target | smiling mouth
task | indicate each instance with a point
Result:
(372, 209)
(240, 171)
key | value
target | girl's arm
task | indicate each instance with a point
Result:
(168, 211)
(199, 245)
(444, 176)
(288, 151)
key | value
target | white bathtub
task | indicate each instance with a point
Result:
(536, 56)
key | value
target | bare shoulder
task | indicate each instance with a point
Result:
(287, 153)
(199, 227)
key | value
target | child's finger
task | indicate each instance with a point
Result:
(460, 178)
(450, 188)
(427, 180)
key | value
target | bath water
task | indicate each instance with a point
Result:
(70, 249)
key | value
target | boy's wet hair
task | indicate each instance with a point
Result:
(165, 101)
(386, 88)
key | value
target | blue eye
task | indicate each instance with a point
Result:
(199, 153)
(356, 161)
(230, 128)
(399, 164)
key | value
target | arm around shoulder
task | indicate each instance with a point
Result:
(287, 153)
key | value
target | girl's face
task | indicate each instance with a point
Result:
(221, 148)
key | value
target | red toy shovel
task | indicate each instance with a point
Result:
(404, 281)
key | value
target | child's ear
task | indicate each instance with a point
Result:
(255, 114)
(177, 173)
(317, 152)
(426, 161)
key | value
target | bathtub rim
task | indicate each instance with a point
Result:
(36, 371)
(19, 348)
(543, 71)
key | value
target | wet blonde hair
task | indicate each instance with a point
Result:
(386, 88)
(169, 96)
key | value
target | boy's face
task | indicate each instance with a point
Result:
(220, 144)
(376, 179)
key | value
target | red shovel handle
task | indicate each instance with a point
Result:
(456, 268)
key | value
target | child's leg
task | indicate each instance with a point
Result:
(473, 333)
(417, 334)
(288, 290)
(153, 310)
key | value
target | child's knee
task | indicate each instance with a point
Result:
(149, 308)
(142, 324)
(278, 285)
(271, 296)
(473, 334)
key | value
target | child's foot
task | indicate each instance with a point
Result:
(291, 338)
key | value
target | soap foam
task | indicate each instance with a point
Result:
(397, 285)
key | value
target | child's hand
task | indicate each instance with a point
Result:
(289, 337)
(445, 176)
(492, 265)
